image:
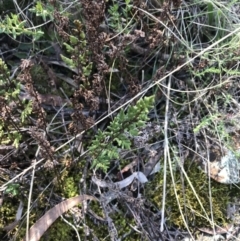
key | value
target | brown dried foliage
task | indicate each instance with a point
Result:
(26, 78)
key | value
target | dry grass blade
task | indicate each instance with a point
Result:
(41, 226)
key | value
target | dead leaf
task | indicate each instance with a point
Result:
(41, 226)
(218, 230)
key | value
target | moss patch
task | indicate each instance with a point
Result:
(181, 192)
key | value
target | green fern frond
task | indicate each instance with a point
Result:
(106, 145)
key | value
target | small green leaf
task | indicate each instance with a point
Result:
(12, 188)
(73, 40)
(133, 132)
(69, 48)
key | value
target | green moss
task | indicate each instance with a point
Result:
(7, 213)
(70, 188)
(121, 221)
(69, 183)
(194, 213)
(122, 224)
(59, 230)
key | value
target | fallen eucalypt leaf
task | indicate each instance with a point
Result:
(41, 226)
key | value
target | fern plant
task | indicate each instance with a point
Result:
(9, 91)
(78, 49)
(45, 11)
(106, 145)
(14, 26)
(119, 16)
